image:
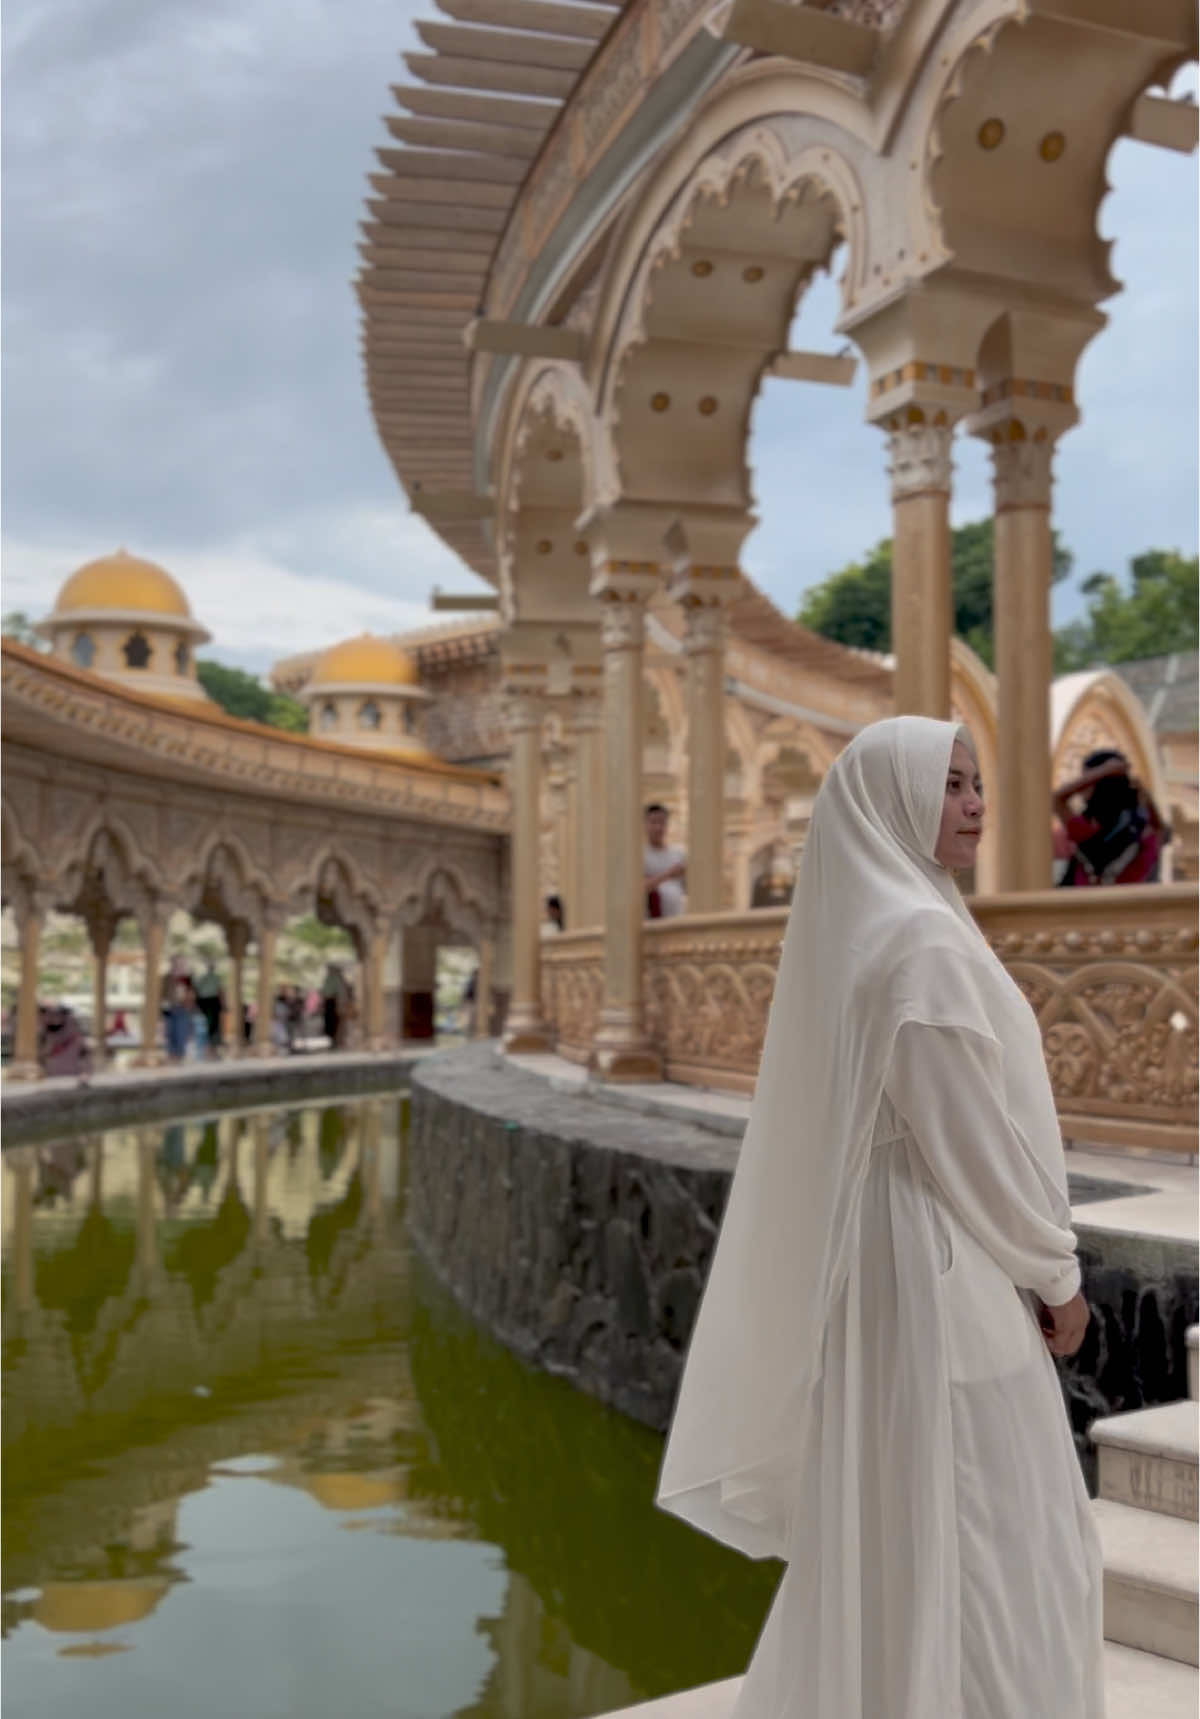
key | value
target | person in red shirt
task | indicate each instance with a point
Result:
(1118, 836)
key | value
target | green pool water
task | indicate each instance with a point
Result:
(257, 1463)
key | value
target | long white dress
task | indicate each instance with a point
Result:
(866, 1393)
(943, 1561)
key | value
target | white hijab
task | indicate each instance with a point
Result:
(878, 935)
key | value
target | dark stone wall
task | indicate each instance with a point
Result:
(580, 1234)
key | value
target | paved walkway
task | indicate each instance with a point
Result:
(1166, 1207)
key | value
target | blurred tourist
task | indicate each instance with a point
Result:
(178, 1003)
(1118, 836)
(62, 1047)
(334, 998)
(555, 920)
(664, 868)
(210, 1001)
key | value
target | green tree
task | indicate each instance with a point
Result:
(853, 605)
(242, 695)
(1157, 614)
(17, 625)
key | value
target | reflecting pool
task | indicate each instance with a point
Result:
(256, 1463)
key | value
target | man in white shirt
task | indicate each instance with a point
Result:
(664, 868)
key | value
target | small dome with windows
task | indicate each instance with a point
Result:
(366, 692)
(126, 618)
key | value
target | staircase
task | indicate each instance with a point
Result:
(1146, 1513)
(1147, 1516)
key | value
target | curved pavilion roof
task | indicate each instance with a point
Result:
(485, 95)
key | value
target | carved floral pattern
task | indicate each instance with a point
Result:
(1116, 999)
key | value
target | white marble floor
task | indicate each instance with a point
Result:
(1137, 1685)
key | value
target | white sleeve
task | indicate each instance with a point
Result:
(948, 1084)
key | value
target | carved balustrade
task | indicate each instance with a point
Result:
(1111, 975)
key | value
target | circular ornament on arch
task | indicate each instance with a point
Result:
(708, 405)
(991, 133)
(1052, 147)
(753, 274)
(659, 402)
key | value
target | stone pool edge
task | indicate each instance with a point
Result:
(579, 1234)
(31, 1114)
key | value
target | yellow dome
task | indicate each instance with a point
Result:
(343, 1491)
(366, 661)
(122, 582)
(88, 1606)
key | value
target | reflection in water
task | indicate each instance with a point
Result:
(257, 1462)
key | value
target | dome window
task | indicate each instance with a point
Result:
(369, 715)
(83, 650)
(136, 651)
(410, 719)
(329, 716)
(183, 657)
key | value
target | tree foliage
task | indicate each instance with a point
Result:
(854, 605)
(17, 625)
(1155, 615)
(241, 694)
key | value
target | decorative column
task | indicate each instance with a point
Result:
(101, 924)
(377, 956)
(621, 1051)
(704, 646)
(29, 909)
(526, 1031)
(268, 936)
(237, 937)
(922, 590)
(586, 724)
(568, 853)
(481, 1025)
(154, 936)
(1024, 654)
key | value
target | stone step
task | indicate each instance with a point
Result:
(1193, 1361)
(1148, 1459)
(1136, 1685)
(1150, 1580)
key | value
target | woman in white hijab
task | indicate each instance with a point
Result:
(869, 1393)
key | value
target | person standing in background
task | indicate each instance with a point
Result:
(664, 868)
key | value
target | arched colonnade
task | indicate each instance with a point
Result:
(961, 196)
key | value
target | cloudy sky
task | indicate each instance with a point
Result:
(183, 182)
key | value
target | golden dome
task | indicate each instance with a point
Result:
(125, 583)
(88, 1606)
(342, 1491)
(365, 661)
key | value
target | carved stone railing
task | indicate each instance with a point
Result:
(573, 990)
(1111, 974)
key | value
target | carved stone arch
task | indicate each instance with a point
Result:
(18, 856)
(1096, 709)
(332, 886)
(226, 886)
(546, 481)
(996, 177)
(442, 895)
(710, 302)
(973, 702)
(107, 843)
(821, 111)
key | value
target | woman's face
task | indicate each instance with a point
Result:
(962, 813)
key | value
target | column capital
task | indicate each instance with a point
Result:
(583, 713)
(523, 710)
(919, 453)
(1022, 472)
(704, 627)
(623, 621)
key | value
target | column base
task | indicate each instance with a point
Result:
(526, 1036)
(149, 1059)
(620, 1052)
(263, 1053)
(24, 1071)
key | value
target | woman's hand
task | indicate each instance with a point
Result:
(1064, 1327)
